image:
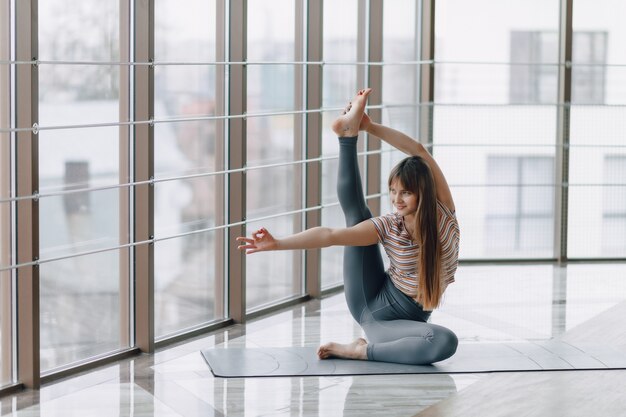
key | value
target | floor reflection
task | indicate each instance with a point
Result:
(486, 304)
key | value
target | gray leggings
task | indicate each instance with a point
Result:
(396, 326)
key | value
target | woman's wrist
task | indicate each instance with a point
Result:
(371, 128)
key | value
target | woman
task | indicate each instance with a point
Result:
(421, 239)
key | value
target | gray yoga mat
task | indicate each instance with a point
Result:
(469, 358)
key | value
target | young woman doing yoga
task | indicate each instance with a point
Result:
(421, 239)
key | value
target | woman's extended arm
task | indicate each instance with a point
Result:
(411, 147)
(362, 234)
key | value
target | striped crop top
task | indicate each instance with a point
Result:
(403, 252)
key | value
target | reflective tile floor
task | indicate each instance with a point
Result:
(580, 302)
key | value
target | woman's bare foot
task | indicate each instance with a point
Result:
(347, 125)
(354, 350)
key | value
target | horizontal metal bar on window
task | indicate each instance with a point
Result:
(178, 235)
(37, 196)
(289, 213)
(210, 63)
(554, 64)
(321, 63)
(36, 128)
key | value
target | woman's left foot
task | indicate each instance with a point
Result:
(347, 125)
(354, 350)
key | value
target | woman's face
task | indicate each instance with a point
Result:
(403, 200)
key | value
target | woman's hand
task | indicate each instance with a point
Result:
(365, 122)
(261, 240)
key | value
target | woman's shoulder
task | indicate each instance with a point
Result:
(447, 211)
(389, 221)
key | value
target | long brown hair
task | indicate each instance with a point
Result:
(415, 175)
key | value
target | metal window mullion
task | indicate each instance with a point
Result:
(427, 72)
(125, 304)
(220, 188)
(6, 285)
(375, 81)
(298, 142)
(143, 171)
(362, 71)
(313, 139)
(237, 92)
(27, 211)
(417, 71)
(563, 129)
(519, 206)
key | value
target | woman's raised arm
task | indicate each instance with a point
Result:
(362, 234)
(411, 147)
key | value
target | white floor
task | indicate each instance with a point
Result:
(487, 303)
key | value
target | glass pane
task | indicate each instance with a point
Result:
(500, 236)
(78, 222)
(184, 90)
(81, 308)
(585, 224)
(185, 205)
(502, 201)
(186, 148)
(598, 40)
(480, 30)
(504, 32)
(271, 37)
(537, 200)
(271, 140)
(83, 31)
(273, 276)
(536, 236)
(71, 159)
(503, 170)
(400, 44)
(332, 258)
(596, 173)
(614, 236)
(78, 31)
(189, 288)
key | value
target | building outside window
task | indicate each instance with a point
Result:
(614, 205)
(520, 204)
(538, 83)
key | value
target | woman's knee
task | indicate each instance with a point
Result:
(446, 343)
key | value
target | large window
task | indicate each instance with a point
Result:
(111, 124)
